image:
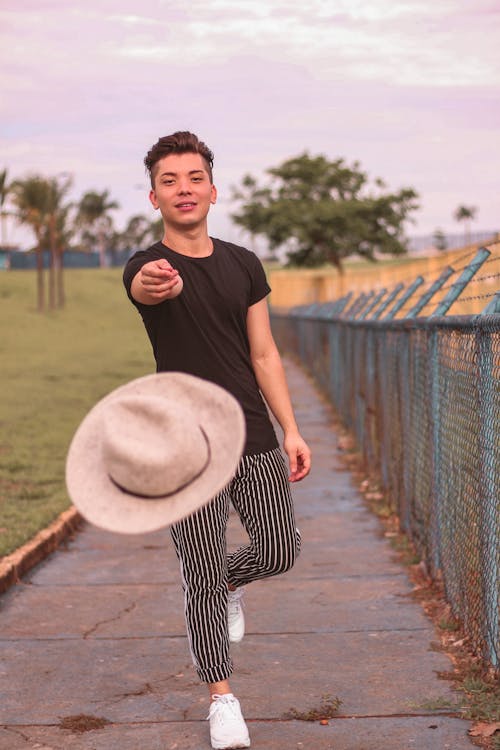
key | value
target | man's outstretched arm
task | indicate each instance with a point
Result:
(156, 282)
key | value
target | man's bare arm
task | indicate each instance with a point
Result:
(271, 379)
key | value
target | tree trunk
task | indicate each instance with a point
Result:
(40, 279)
(3, 228)
(61, 298)
(334, 259)
(53, 263)
(52, 281)
(101, 244)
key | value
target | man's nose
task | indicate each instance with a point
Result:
(184, 186)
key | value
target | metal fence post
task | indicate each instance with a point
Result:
(489, 501)
(364, 300)
(458, 286)
(342, 304)
(427, 296)
(404, 386)
(390, 298)
(348, 312)
(493, 306)
(404, 298)
(435, 522)
(372, 304)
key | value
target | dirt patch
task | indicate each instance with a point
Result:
(328, 708)
(82, 723)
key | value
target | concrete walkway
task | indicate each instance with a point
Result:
(97, 630)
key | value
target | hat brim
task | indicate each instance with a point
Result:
(105, 505)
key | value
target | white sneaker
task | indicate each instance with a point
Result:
(235, 616)
(227, 725)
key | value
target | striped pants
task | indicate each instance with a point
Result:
(261, 495)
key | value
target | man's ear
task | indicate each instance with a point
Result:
(152, 198)
(213, 196)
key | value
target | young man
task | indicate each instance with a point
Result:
(203, 303)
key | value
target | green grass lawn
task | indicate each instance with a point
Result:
(54, 367)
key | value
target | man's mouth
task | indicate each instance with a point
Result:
(186, 205)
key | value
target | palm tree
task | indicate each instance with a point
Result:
(65, 232)
(439, 239)
(4, 191)
(58, 235)
(93, 217)
(466, 214)
(39, 204)
(31, 198)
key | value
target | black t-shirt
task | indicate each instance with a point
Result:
(203, 330)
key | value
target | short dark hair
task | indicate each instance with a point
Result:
(181, 142)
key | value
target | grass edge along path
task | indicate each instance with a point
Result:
(55, 367)
(14, 566)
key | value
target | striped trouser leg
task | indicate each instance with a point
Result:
(261, 495)
(200, 543)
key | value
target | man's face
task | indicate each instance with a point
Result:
(182, 190)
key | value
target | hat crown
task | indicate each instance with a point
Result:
(149, 450)
(170, 436)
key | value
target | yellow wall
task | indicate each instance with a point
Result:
(305, 286)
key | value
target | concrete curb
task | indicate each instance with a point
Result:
(14, 566)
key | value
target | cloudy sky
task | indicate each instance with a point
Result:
(409, 88)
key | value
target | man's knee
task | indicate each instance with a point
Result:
(284, 559)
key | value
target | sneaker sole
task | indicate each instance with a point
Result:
(237, 639)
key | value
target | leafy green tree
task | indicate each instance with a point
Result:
(466, 214)
(95, 222)
(156, 229)
(137, 233)
(324, 211)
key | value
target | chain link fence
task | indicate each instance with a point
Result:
(422, 397)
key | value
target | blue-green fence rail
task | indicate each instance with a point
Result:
(422, 396)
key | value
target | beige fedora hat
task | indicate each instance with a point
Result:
(153, 451)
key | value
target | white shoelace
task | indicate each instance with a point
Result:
(235, 600)
(218, 701)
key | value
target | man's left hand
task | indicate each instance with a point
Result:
(299, 456)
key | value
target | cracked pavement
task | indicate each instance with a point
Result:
(97, 630)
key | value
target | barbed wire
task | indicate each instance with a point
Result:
(441, 293)
(478, 279)
(491, 259)
(436, 301)
(456, 283)
(441, 264)
(486, 295)
(431, 276)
